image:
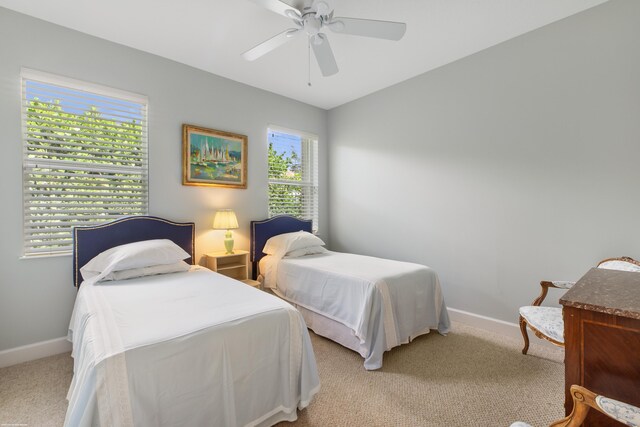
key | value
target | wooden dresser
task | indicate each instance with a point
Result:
(602, 338)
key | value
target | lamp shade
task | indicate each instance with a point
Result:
(225, 219)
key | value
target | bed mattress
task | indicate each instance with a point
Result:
(385, 303)
(192, 348)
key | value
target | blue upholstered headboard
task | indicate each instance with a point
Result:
(89, 241)
(261, 231)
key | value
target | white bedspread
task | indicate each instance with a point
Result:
(386, 303)
(193, 348)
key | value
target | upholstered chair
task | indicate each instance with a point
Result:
(546, 322)
(584, 399)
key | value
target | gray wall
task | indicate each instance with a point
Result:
(513, 165)
(36, 295)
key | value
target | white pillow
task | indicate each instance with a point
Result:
(134, 255)
(281, 244)
(152, 270)
(311, 250)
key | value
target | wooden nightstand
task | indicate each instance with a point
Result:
(235, 265)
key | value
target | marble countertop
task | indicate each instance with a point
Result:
(607, 291)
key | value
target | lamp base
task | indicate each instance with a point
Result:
(228, 242)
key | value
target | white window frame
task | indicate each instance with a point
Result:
(110, 176)
(310, 182)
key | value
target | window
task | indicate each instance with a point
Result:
(84, 158)
(293, 174)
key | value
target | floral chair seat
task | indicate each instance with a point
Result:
(620, 265)
(619, 411)
(547, 320)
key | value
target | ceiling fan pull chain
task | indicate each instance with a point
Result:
(309, 61)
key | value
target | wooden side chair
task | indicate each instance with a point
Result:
(584, 399)
(546, 322)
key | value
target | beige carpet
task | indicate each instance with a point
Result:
(469, 378)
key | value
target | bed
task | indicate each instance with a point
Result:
(191, 347)
(369, 305)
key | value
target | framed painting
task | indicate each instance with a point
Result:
(213, 158)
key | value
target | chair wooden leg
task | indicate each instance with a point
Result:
(525, 336)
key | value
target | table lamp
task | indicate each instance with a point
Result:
(225, 219)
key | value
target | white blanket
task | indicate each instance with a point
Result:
(193, 348)
(386, 303)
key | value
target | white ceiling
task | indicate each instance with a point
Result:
(212, 34)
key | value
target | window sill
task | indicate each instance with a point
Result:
(61, 254)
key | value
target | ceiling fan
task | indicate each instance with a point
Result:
(312, 19)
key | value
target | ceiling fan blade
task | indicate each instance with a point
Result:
(271, 44)
(368, 28)
(276, 6)
(324, 56)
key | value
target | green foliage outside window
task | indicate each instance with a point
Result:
(285, 198)
(54, 134)
(82, 167)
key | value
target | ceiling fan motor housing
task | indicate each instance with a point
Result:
(311, 23)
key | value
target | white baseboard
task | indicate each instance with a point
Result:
(512, 330)
(38, 350)
(496, 326)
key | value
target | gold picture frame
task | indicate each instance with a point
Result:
(213, 158)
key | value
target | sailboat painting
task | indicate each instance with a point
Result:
(213, 158)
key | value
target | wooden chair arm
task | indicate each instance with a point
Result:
(546, 284)
(583, 400)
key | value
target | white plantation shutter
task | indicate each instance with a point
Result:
(293, 190)
(84, 158)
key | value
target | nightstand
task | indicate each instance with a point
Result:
(235, 265)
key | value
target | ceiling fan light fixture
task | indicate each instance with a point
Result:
(321, 7)
(312, 25)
